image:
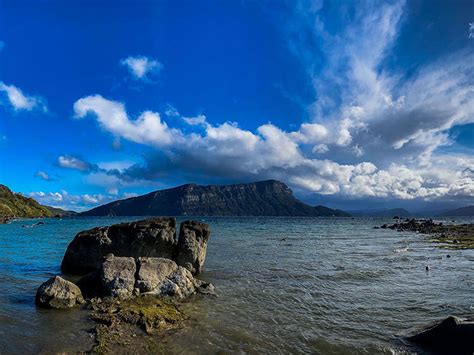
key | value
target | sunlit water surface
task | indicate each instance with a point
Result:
(299, 285)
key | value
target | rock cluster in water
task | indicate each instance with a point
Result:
(127, 260)
(414, 225)
(457, 236)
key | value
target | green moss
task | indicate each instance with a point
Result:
(151, 308)
(136, 325)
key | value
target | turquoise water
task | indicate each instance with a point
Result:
(299, 285)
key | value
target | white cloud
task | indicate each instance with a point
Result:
(320, 148)
(148, 128)
(140, 67)
(72, 162)
(20, 101)
(76, 202)
(195, 121)
(471, 30)
(44, 176)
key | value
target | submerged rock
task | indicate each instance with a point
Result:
(192, 245)
(152, 237)
(118, 276)
(58, 293)
(452, 336)
(124, 327)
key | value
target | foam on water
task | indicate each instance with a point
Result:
(300, 285)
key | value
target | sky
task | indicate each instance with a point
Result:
(365, 104)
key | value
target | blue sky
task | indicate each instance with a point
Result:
(351, 104)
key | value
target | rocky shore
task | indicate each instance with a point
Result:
(454, 236)
(133, 277)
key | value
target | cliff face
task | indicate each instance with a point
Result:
(15, 205)
(265, 198)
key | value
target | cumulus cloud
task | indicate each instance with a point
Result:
(75, 163)
(141, 67)
(20, 101)
(148, 128)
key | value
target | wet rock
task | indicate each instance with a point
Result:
(58, 293)
(118, 276)
(180, 284)
(205, 288)
(152, 272)
(451, 336)
(163, 277)
(147, 238)
(192, 245)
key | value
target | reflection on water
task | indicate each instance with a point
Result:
(285, 285)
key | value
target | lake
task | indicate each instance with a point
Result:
(285, 285)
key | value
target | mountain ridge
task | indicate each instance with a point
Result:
(15, 205)
(262, 198)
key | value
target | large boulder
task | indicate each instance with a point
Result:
(179, 284)
(451, 336)
(163, 277)
(192, 245)
(118, 276)
(58, 293)
(152, 237)
(152, 272)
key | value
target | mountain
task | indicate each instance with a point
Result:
(264, 198)
(15, 205)
(400, 212)
(460, 212)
